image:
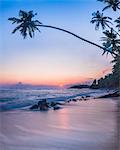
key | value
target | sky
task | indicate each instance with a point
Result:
(52, 57)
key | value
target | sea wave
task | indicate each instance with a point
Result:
(19, 98)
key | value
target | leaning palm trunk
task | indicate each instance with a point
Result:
(27, 26)
(48, 26)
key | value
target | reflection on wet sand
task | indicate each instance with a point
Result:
(83, 125)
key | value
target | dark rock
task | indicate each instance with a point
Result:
(68, 101)
(87, 95)
(43, 101)
(34, 106)
(56, 107)
(74, 100)
(43, 105)
(53, 104)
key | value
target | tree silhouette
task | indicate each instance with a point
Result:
(111, 41)
(99, 19)
(27, 26)
(118, 23)
(114, 4)
(25, 23)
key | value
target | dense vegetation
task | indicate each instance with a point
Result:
(111, 41)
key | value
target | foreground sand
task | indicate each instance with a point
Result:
(118, 122)
(86, 125)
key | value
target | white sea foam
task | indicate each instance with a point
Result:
(19, 98)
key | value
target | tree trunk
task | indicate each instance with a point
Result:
(48, 26)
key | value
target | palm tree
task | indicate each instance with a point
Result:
(118, 23)
(116, 69)
(111, 42)
(114, 4)
(102, 20)
(27, 26)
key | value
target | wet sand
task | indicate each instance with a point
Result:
(118, 123)
(85, 125)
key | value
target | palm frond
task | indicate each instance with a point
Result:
(114, 4)
(27, 26)
(37, 22)
(24, 32)
(17, 28)
(106, 7)
(23, 14)
(100, 19)
(15, 20)
(118, 23)
(110, 41)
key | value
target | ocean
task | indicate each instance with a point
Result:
(11, 98)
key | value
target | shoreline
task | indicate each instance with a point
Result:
(118, 124)
(10, 102)
(79, 125)
(88, 123)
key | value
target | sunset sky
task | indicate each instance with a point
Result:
(52, 57)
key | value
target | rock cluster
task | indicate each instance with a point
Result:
(44, 105)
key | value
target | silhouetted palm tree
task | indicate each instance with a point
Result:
(116, 69)
(27, 26)
(118, 23)
(111, 42)
(114, 4)
(99, 19)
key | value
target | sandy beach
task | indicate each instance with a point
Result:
(118, 123)
(84, 125)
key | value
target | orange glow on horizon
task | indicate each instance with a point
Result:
(52, 80)
(56, 82)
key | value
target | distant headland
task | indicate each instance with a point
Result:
(79, 86)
